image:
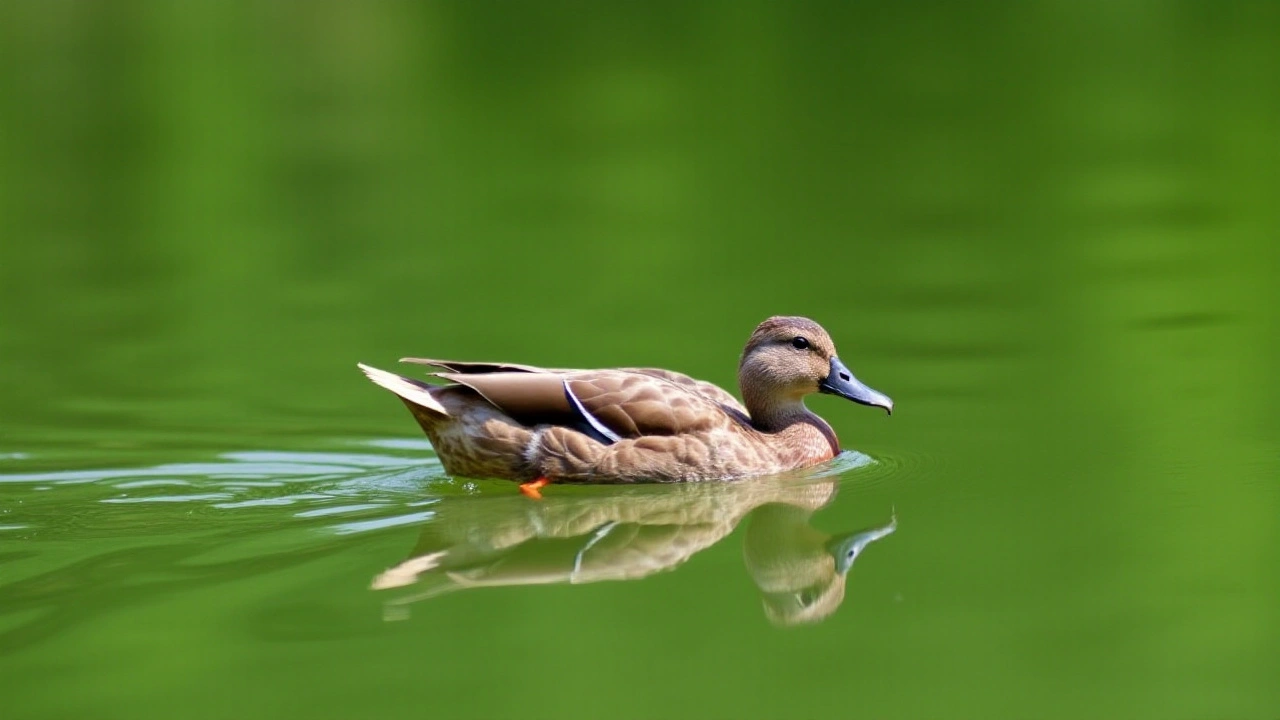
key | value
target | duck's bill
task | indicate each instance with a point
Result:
(842, 382)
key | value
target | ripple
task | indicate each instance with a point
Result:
(327, 459)
(382, 523)
(268, 502)
(343, 492)
(166, 498)
(899, 467)
(220, 470)
(340, 510)
(846, 461)
(246, 487)
(131, 484)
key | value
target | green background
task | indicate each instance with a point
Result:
(1049, 230)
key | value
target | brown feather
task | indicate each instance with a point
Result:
(471, 368)
(712, 392)
(531, 398)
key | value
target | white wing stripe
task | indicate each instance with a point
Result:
(596, 424)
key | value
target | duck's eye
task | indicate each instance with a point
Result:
(799, 343)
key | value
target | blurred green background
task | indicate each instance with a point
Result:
(1048, 229)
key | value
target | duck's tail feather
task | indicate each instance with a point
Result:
(414, 391)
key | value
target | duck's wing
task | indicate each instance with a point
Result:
(710, 391)
(477, 368)
(638, 404)
(609, 405)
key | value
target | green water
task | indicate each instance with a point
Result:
(1049, 230)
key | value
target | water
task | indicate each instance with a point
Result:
(1046, 230)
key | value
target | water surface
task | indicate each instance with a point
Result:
(1046, 229)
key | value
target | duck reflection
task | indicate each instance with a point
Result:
(581, 536)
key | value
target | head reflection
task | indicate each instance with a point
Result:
(585, 535)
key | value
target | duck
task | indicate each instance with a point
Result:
(539, 425)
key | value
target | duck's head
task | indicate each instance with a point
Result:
(790, 357)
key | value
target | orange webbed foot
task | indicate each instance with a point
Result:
(531, 488)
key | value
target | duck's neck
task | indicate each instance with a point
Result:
(795, 430)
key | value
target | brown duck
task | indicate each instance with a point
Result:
(627, 425)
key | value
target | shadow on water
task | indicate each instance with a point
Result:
(633, 532)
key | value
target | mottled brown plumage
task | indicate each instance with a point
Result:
(635, 424)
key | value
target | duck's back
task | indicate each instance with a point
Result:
(710, 391)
